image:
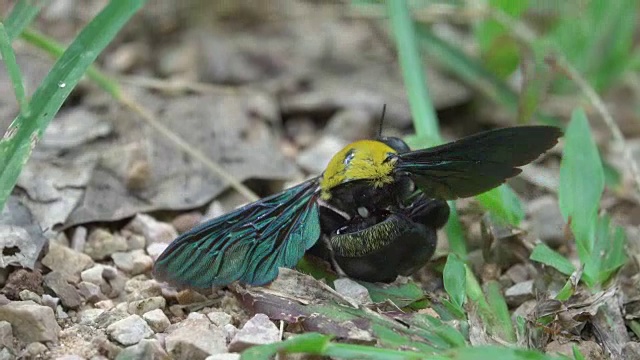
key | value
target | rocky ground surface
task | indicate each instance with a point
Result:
(97, 300)
(270, 93)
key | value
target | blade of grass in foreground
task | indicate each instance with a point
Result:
(425, 120)
(21, 16)
(317, 344)
(24, 132)
(9, 59)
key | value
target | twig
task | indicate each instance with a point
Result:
(150, 119)
(178, 85)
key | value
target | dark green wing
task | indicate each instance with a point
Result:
(247, 244)
(477, 163)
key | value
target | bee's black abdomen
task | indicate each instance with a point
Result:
(408, 247)
(399, 244)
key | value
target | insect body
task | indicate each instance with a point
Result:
(376, 209)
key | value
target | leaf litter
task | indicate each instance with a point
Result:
(97, 165)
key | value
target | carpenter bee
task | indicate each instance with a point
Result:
(373, 212)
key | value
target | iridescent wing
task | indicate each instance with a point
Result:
(477, 163)
(247, 244)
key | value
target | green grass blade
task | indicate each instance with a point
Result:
(24, 132)
(317, 344)
(55, 49)
(21, 16)
(424, 115)
(9, 59)
(473, 73)
(608, 250)
(504, 204)
(543, 254)
(502, 324)
(454, 278)
(467, 69)
(455, 233)
(581, 186)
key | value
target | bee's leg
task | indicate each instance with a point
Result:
(330, 220)
(332, 258)
(432, 213)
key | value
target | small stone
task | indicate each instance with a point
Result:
(101, 244)
(153, 230)
(6, 334)
(519, 293)
(303, 130)
(26, 295)
(631, 351)
(122, 307)
(136, 242)
(18, 247)
(145, 349)
(350, 124)
(79, 238)
(139, 289)
(109, 272)
(90, 292)
(170, 293)
(547, 221)
(197, 316)
(230, 332)
(111, 282)
(589, 349)
(157, 320)
(60, 314)
(195, 339)
(140, 307)
(102, 344)
(188, 296)
(35, 348)
(30, 322)
(129, 330)
(518, 273)
(259, 330)
(67, 293)
(176, 310)
(117, 285)
(105, 304)
(6, 354)
(73, 357)
(133, 262)
(154, 250)
(219, 318)
(23, 279)
(352, 290)
(186, 221)
(66, 261)
(316, 156)
(94, 275)
(50, 301)
(226, 356)
(525, 310)
(89, 316)
(109, 317)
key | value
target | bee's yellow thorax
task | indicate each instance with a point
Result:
(361, 160)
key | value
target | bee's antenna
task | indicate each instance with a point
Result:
(384, 109)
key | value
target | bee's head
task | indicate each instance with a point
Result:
(395, 143)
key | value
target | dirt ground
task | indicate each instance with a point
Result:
(269, 91)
